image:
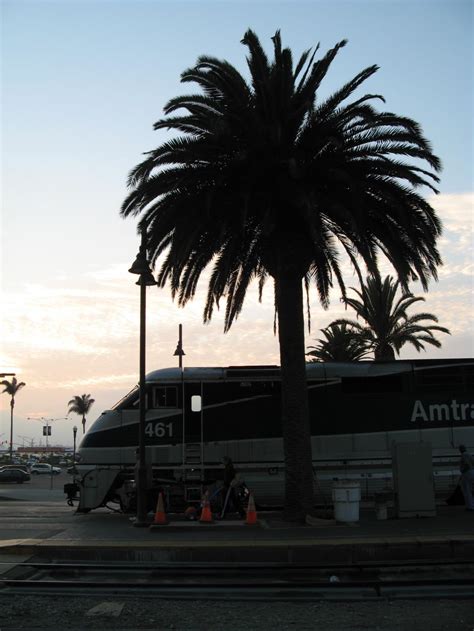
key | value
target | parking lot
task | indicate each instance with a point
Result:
(43, 487)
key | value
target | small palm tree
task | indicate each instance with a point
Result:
(343, 343)
(11, 388)
(81, 405)
(388, 327)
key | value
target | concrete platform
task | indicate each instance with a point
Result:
(104, 536)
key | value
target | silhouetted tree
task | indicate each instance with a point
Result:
(263, 180)
(388, 326)
(342, 343)
(11, 388)
(81, 405)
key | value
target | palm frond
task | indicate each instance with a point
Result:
(386, 316)
(342, 342)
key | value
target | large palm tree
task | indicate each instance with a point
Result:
(262, 180)
(341, 343)
(81, 405)
(388, 327)
(11, 388)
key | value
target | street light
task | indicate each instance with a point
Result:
(74, 434)
(141, 266)
(179, 352)
(46, 427)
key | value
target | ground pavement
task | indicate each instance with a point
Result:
(50, 528)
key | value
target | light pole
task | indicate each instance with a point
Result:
(74, 434)
(179, 352)
(141, 266)
(46, 426)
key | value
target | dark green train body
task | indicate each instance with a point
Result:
(356, 411)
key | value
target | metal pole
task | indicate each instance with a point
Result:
(50, 457)
(180, 364)
(12, 405)
(141, 519)
(180, 345)
(180, 356)
(74, 433)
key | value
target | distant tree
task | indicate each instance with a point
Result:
(263, 178)
(81, 405)
(11, 388)
(343, 343)
(388, 327)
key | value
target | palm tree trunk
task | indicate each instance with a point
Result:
(294, 398)
(12, 405)
(83, 424)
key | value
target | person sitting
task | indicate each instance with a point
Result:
(230, 496)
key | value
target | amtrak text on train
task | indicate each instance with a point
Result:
(453, 411)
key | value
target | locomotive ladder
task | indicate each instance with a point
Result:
(192, 472)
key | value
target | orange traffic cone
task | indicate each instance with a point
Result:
(251, 512)
(160, 515)
(206, 515)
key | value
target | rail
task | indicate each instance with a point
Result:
(302, 581)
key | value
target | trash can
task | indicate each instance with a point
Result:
(346, 498)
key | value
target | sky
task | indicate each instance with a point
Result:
(82, 84)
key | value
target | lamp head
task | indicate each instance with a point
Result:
(179, 351)
(140, 264)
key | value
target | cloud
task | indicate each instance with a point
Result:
(99, 381)
(90, 314)
(456, 210)
(112, 277)
(46, 318)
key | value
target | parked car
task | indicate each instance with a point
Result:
(17, 476)
(43, 467)
(23, 467)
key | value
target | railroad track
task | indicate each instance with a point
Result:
(249, 581)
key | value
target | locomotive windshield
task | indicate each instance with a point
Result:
(128, 400)
(162, 397)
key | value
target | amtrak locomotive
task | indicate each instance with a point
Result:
(196, 416)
